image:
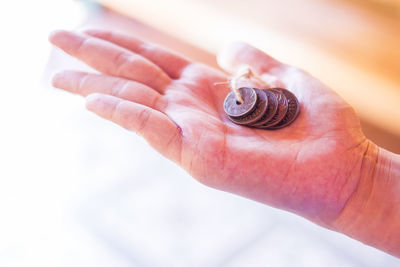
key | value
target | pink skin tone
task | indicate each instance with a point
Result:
(314, 168)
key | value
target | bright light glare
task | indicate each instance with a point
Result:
(33, 177)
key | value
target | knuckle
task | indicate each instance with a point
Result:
(81, 86)
(143, 119)
(146, 48)
(83, 44)
(121, 61)
(116, 113)
(156, 103)
(119, 87)
(121, 115)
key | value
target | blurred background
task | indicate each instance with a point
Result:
(79, 191)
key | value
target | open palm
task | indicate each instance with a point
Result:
(311, 167)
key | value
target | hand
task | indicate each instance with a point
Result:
(311, 167)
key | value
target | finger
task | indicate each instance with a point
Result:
(86, 83)
(158, 130)
(111, 59)
(168, 61)
(239, 54)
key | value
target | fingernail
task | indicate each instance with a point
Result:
(55, 34)
(93, 100)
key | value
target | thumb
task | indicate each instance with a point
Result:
(237, 54)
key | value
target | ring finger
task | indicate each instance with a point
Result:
(87, 83)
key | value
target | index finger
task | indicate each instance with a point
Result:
(238, 54)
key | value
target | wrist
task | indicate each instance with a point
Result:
(372, 213)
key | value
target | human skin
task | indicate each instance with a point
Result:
(321, 167)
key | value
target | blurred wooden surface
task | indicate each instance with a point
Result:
(391, 7)
(352, 49)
